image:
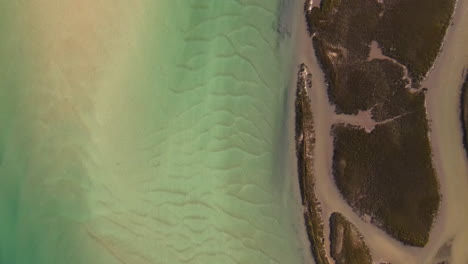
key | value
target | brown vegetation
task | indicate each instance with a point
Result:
(387, 173)
(464, 113)
(305, 140)
(347, 244)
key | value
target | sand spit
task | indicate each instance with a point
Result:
(305, 143)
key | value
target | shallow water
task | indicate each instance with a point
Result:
(146, 133)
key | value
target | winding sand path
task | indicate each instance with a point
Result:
(382, 246)
(443, 102)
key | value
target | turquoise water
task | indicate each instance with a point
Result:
(167, 148)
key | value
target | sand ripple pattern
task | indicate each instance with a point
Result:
(145, 132)
(189, 173)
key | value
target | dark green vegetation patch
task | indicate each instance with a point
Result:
(305, 141)
(464, 113)
(410, 31)
(384, 174)
(387, 173)
(347, 244)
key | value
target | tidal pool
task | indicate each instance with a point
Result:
(146, 132)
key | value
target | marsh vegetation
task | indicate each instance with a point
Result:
(347, 243)
(464, 112)
(385, 174)
(305, 141)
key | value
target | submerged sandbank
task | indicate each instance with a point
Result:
(150, 133)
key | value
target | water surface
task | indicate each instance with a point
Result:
(150, 132)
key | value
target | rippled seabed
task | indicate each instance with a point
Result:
(144, 132)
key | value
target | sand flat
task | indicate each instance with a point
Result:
(149, 133)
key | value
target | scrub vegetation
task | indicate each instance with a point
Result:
(409, 31)
(305, 140)
(386, 174)
(347, 243)
(464, 113)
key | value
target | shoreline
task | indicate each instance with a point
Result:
(415, 232)
(303, 55)
(297, 21)
(449, 156)
(305, 143)
(442, 44)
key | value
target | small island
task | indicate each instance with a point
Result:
(464, 112)
(374, 55)
(305, 141)
(347, 243)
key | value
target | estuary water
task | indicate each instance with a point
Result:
(147, 132)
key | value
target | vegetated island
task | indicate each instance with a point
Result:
(347, 243)
(305, 141)
(386, 175)
(464, 112)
